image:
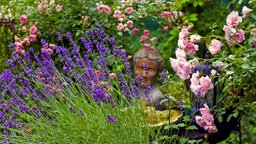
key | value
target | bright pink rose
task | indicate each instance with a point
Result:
(143, 38)
(98, 72)
(146, 32)
(32, 37)
(117, 14)
(245, 11)
(254, 43)
(153, 39)
(135, 30)
(239, 36)
(233, 19)
(18, 45)
(129, 10)
(120, 27)
(58, 8)
(191, 48)
(23, 19)
(129, 23)
(214, 46)
(33, 30)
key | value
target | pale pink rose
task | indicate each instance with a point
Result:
(86, 18)
(200, 121)
(49, 51)
(39, 8)
(219, 64)
(191, 48)
(26, 42)
(147, 46)
(32, 37)
(165, 28)
(117, 14)
(153, 39)
(112, 75)
(120, 27)
(129, 23)
(205, 110)
(135, 30)
(146, 32)
(143, 38)
(195, 38)
(58, 8)
(129, 10)
(17, 39)
(33, 30)
(100, 8)
(208, 118)
(18, 45)
(129, 57)
(181, 67)
(24, 28)
(23, 19)
(214, 46)
(213, 72)
(183, 35)
(51, 46)
(182, 44)
(206, 82)
(194, 62)
(196, 89)
(107, 10)
(233, 19)
(228, 32)
(239, 36)
(245, 11)
(195, 79)
(181, 14)
(180, 54)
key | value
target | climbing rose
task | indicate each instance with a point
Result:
(116, 14)
(120, 27)
(33, 30)
(135, 30)
(191, 48)
(233, 19)
(239, 36)
(146, 32)
(129, 23)
(129, 10)
(58, 8)
(245, 11)
(214, 46)
(23, 19)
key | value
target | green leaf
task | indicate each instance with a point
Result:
(229, 72)
(192, 127)
(245, 66)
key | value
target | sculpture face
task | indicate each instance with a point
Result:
(148, 75)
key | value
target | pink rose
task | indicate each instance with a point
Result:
(98, 72)
(58, 8)
(24, 28)
(233, 19)
(86, 19)
(181, 67)
(147, 46)
(129, 23)
(107, 10)
(146, 32)
(17, 39)
(18, 45)
(165, 28)
(33, 30)
(135, 30)
(26, 42)
(23, 19)
(112, 75)
(143, 39)
(245, 11)
(120, 27)
(32, 37)
(191, 48)
(129, 10)
(205, 110)
(183, 35)
(239, 36)
(153, 39)
(206, 82)
(182, 43)
(181, 14)
(116, 14)
(100, 8)
(180, 54)
(254, 43)
(214, 46)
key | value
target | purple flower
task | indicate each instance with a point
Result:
(10, 63)
(72, 109)
(111, 119)
(12, 46)
(181, 104)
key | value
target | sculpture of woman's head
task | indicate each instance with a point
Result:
(147, 64)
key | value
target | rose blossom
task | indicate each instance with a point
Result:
(183, 35)
(181, 67)
(23, 19)
(135, 30)
(24, 28)
(58, 8)
(153, 39)
(233, 19)
(143, 39)
(146, 32)
(195, 38)
(26, 41)
(120, 27)
(180, 54)
(100, 8)
(32, 37)
(245, 11)
(112, 75)
(191, 48)
(33, 30)
(107, 10)
(129, 23)
(129, 10)
(239, 36)
(116, 14)
(214, 46)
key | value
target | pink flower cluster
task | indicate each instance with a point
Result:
(206, 121)
(103, 8)
(231, 29)
(124, 23)
(45, 7)
(186, 44)
(200, 85)
(171, 15)
(180, 65)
